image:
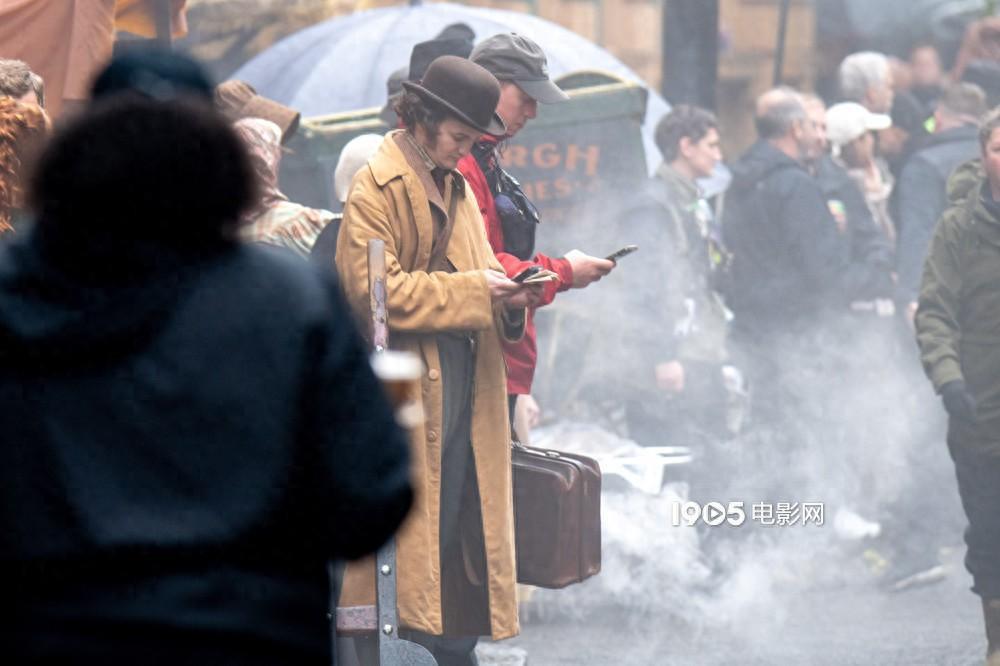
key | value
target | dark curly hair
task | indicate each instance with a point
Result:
(169, 171)
(682, 121)
(413, 110)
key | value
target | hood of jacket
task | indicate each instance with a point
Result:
(966, 178)
(757, 163)
(82, 303)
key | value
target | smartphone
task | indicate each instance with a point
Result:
(624, 252)
(526, 273)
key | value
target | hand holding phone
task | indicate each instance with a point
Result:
(528, 272)
(624, 252)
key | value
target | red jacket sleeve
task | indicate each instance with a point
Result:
(474, 176)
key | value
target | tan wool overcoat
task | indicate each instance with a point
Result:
(389, 200)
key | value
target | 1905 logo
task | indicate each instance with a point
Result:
(765, 514)
(712, 513)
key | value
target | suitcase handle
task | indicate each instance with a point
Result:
(550, 453)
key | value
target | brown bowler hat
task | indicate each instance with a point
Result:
(463, 89)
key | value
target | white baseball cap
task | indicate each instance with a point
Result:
(847, 121)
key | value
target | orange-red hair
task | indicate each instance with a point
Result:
(23, 129)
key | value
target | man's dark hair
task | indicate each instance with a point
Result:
(173, 172)
(683, 121)
(990, 123)
(15, 79)
(413, 110)
(965, 101)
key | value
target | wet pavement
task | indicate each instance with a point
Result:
(856, 623)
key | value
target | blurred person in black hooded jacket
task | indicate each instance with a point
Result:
(191, 427)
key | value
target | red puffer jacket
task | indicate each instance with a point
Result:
(521, 356)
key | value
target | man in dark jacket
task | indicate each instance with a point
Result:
(957, 326)
(191, 427)
(788, 269)
(788, 259)
(923, 182)
(668, 371)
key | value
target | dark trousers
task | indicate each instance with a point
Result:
(458, 493)
(979, 487)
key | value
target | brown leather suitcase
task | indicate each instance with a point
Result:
(557, 515)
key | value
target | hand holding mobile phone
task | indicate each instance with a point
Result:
(624, 252)
(526, 273)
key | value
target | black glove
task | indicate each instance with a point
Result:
(958, 401)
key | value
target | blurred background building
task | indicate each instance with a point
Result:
(227, 33)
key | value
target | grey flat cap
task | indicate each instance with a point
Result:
(513, 57)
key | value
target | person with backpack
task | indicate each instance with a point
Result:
(957, 324)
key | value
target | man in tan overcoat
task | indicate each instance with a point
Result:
(450, 303)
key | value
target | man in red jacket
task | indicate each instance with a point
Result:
(521, 67)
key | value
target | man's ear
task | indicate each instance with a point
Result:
(796, 129)
(685, 147)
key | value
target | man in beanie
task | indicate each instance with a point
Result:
(449, 301)
(522, 69)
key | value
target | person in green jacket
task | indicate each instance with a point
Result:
(958, 330)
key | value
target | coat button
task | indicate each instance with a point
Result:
(432, 436)
(433, 375)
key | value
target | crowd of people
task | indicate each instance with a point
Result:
(812, 273)
(162, 330)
